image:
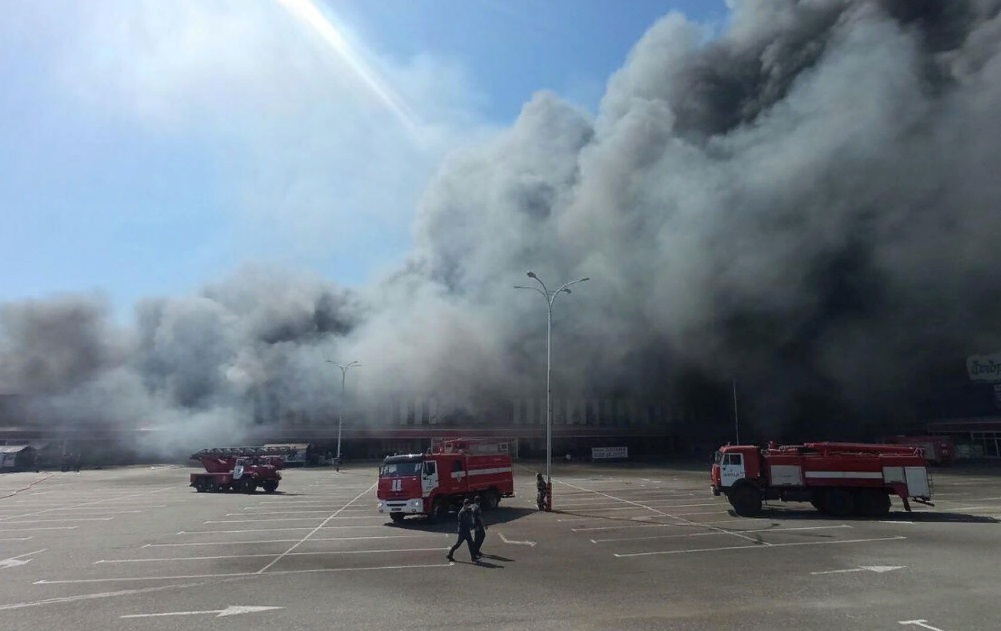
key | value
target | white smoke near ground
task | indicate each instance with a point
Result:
(808, 203)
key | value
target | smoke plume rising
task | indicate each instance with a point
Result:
(809, 203)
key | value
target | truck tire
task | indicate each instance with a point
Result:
(438, 511)
(745, 499)
(872, 503)
(397, 517)
(839, 502)
(491, 499)
(270, 486)
(201, 486)
(248, 486)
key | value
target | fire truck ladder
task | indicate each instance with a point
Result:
(227, 452)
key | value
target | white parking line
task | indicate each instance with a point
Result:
(146, 493)
(128, 579)
(262, 555)
(315, 518)
(759, 546)
(2, 530)
(289, 512)
(46, 521)
(231, 543)
(315, 530)
(617, 508)
(680, 517)
(219, 532)
(707, 534)
(15, 538)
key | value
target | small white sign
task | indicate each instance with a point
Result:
(605, 453)
(984, 367)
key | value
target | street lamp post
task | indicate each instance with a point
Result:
(550, 297)
(340, 410)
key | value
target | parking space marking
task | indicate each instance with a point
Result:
(230, 543)
(217, 532)
(249, 521)
(759, 546)
(101, 501)
(317, 529)
(680, 517)
(263, 555)
(3, 530)
(16, 538)
(618, 508)
(127, 579)
(47, 521)
(291, 512)
(919, 623)
(707, 534)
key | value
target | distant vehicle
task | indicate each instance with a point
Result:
(938, 450)
(294, 454)
(838, 479)
(242, 469)
(436, 482)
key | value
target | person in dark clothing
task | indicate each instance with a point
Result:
(540, 486)
(479, 527)
(466, 523)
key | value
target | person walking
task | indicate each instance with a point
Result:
(466, 523)
(479, 527)
(541, 487)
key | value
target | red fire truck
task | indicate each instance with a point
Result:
(435, 482)
(238, 469)
(837, 478)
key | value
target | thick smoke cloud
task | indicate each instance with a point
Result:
(808, 203)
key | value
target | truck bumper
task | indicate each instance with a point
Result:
(407, 507)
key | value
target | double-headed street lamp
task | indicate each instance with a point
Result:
(340, 409)
(550, 297)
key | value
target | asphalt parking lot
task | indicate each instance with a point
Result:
(625, 548)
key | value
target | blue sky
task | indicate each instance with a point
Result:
(148, 147)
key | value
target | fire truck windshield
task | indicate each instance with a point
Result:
(397, 469)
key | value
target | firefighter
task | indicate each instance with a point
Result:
(479, 527)
(466, 523)
(540, 486)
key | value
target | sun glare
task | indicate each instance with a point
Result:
(322, 25)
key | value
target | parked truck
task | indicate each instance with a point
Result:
(242, 469)
(838, 479)
(435, 482)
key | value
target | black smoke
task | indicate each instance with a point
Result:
(808, 203)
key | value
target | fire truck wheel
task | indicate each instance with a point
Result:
(397, 517)
(270, 486)
(249, 486)
(872, 503)
(438, 511)
(839, 503)
(745, 499)
(201, 486)
(491, 499)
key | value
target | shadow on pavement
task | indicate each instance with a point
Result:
(500, 515)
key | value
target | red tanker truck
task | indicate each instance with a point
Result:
(836, 478)
(435, 482)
